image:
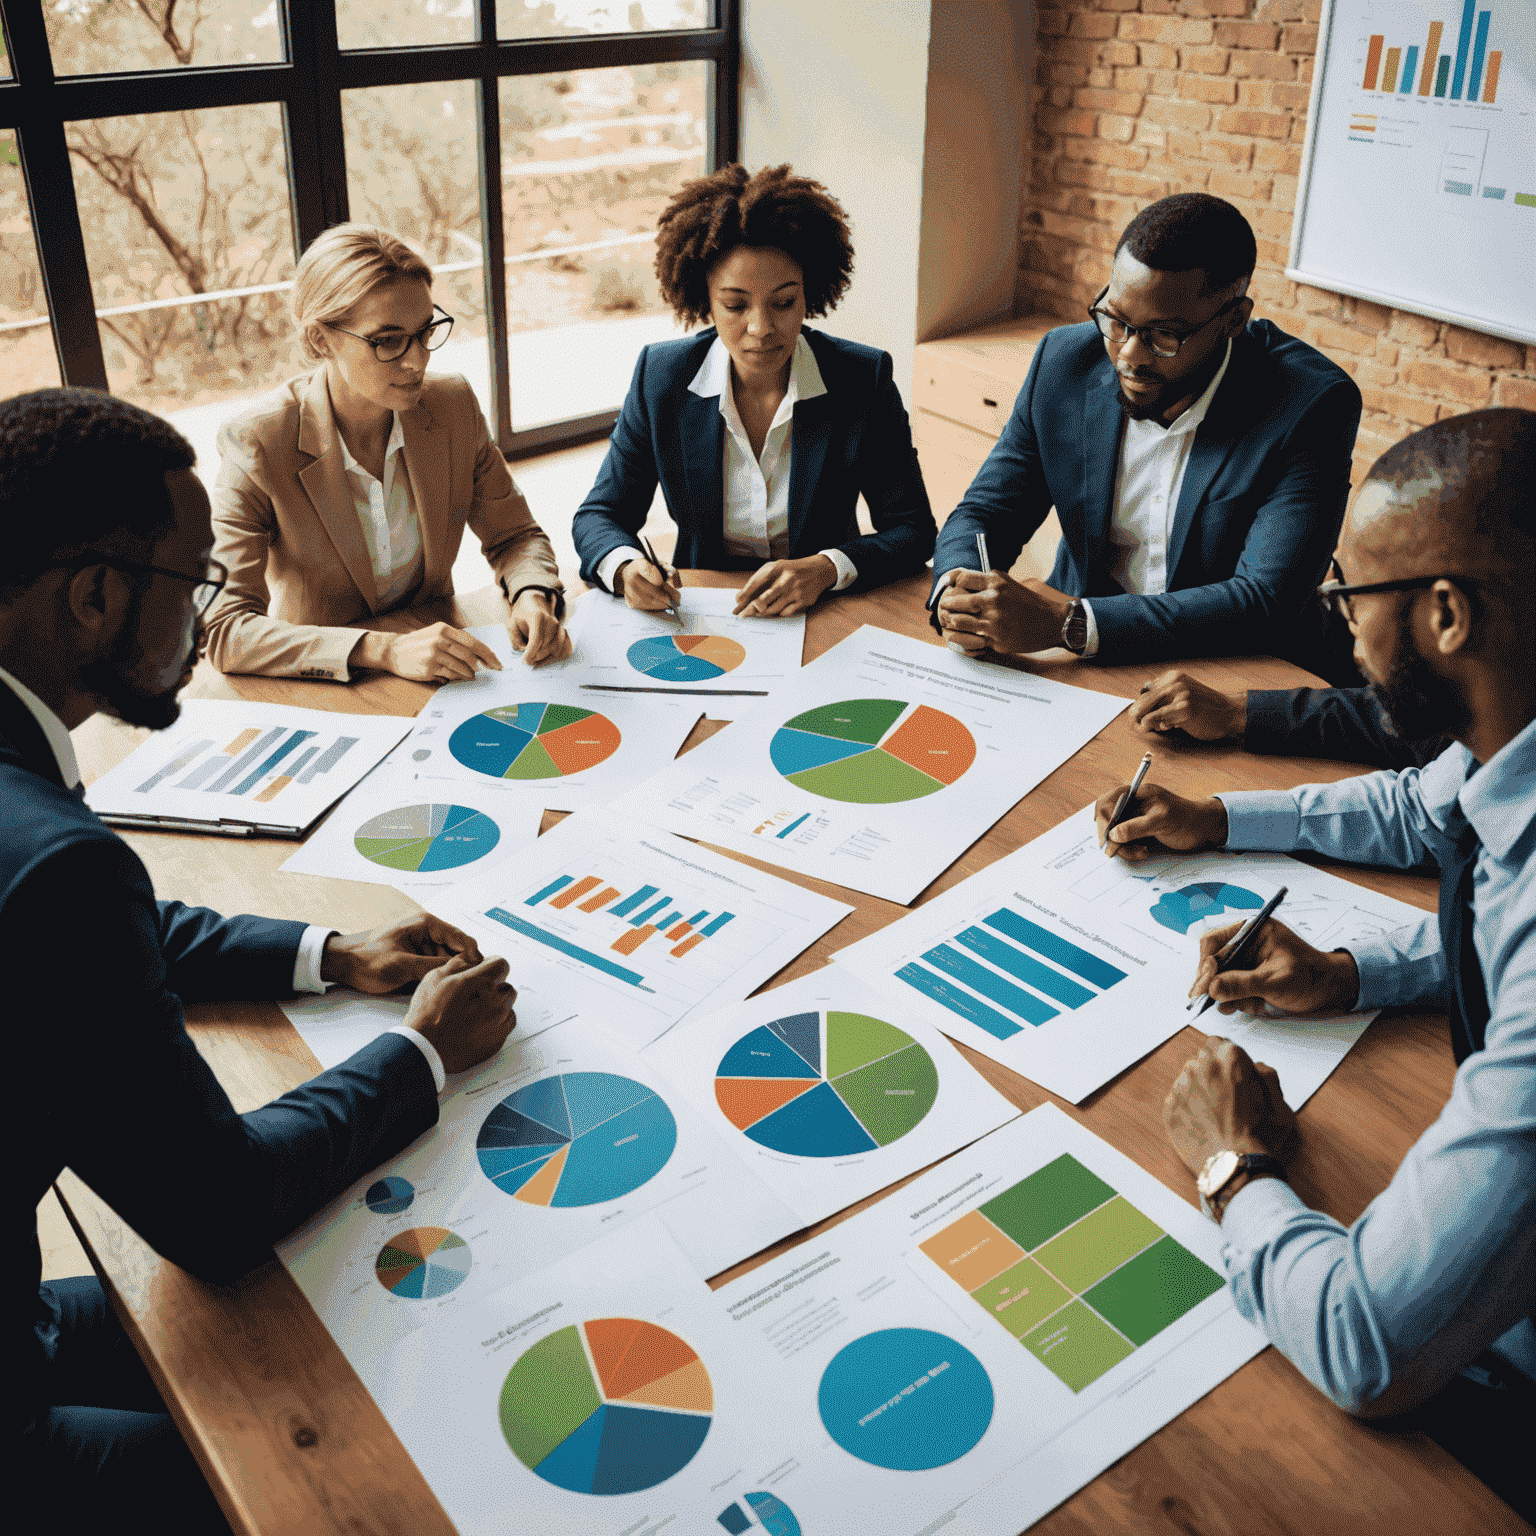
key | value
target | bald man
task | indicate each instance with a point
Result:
(1426, 1302)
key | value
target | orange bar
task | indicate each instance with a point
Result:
(628, 943)
(275, 788)
(687, 944)
(575, 892)
(1389, 80)
(680, 930)
(1491, 78)
(1373, 60)
(601, 899)
(245, 738)
(1431, 58)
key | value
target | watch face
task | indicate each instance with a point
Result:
(1217, 1172)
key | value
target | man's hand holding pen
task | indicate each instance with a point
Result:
(1280, 969)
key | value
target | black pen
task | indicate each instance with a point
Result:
(661, 570)
(1238, 947)
(1122, 810)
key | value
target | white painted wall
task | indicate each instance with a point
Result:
(838, 88)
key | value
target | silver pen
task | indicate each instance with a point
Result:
(981, 554)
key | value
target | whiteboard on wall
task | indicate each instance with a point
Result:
(1418, 178)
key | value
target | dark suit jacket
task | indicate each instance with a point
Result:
(853, 440)
(1345, 723)
(107, 1082)
(1259, 508)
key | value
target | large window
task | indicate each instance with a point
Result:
(162, 163)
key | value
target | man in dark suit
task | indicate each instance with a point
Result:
(107, 535)
(1198, 461)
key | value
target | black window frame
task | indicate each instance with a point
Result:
(36, 104)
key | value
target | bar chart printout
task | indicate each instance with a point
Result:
(643, 929)
(270, 767)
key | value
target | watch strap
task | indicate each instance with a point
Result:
(1214, 1203)
(1074, 628)
(554, 594)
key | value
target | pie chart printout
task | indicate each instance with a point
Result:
(610, 1406)
(1180, 910)
(424, 838)
(534, 741)
(423, 1263)
(583, 1138)
(826, 1084)
(686, 658)
(906, 1399)
(759, 1511)
(872, 751)
(389, 1196)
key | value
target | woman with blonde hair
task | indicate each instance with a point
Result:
(345, 493)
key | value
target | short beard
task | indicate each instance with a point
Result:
(1146, 410)
(110, 678)
(1418, 703)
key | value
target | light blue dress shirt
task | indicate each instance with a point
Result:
(1442, 1265)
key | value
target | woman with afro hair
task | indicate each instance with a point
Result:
(762, 433)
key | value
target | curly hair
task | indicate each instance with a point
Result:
(1193, 230)
(80, 468)
(713, 215)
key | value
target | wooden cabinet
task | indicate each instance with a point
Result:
(963, 390)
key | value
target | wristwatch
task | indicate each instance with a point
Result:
(1222, 1167)
(1074, 628)
(554, 594)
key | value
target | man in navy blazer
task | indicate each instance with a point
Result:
(1198, 461)
(854, 439)
(107, 536)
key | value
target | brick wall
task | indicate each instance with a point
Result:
(1140, 98)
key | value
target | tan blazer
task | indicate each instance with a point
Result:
(286, 525)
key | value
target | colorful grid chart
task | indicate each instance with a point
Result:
(686, 658)
(534, 741)
(610, 1406)
(424, 838)
(761, 1510)
(389, 1196)
(1072, 1270)
(826, 1084)
(872, 751)
(976, 973)
(423, 1263)
(582, 1138)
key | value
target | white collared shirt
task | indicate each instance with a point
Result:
(1147, 485)
(387, 513)
(306, 963)
(756, 499)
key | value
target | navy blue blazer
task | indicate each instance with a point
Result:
(853, 440)
(1345, 723)
(1259, 509)
(107, 1082)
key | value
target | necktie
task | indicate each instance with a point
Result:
(1469, 994)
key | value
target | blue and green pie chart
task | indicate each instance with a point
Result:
(424, 838)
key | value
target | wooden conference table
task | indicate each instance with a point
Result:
(292, 1442)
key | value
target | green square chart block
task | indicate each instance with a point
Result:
(1088, 1251)
(1078, 1346)
(1019, 1297)
(1156, 1288)
(1038, 1207)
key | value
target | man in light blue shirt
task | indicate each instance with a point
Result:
(1426, 1302)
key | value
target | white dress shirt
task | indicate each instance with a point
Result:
(306, 963)
(756, 488)
(1150, 475)
(387, 512)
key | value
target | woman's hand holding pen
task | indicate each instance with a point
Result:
(646, 588)
(1162, 822)
(1282, 970)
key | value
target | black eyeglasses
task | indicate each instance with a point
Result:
(1335, 594)
(1163, 343)
(388, 348)
(205, 587)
